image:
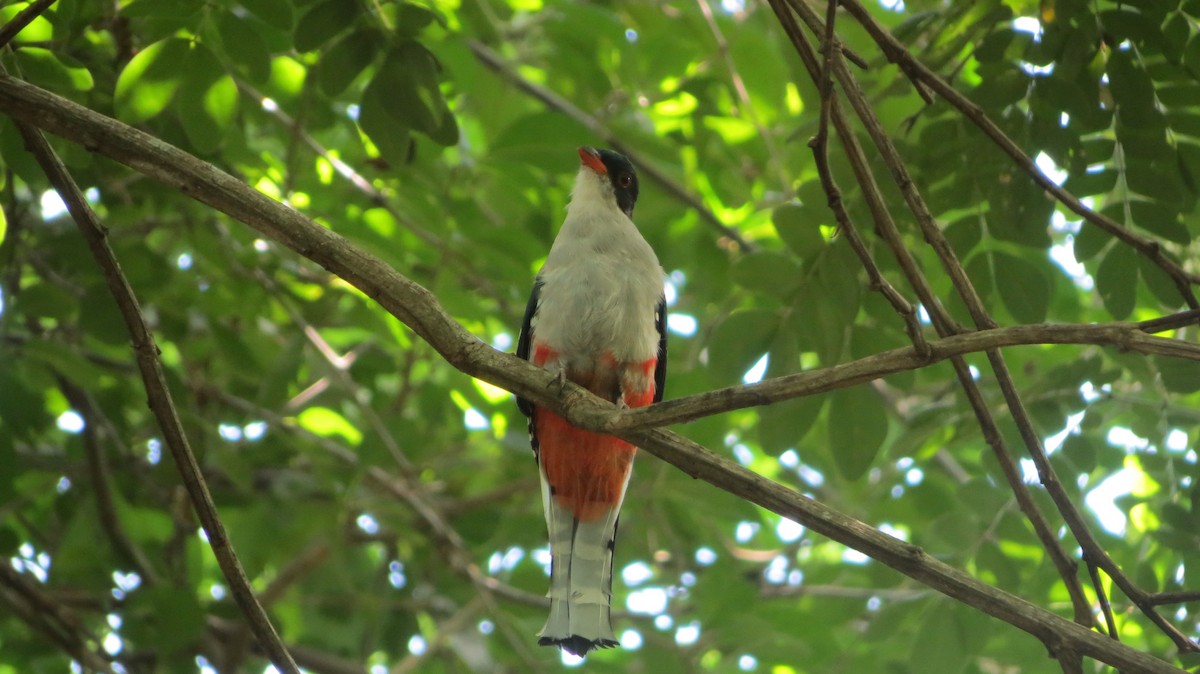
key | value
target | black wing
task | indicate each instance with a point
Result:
(660, 370)
(525, 340)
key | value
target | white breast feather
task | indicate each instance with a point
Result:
(601, 281)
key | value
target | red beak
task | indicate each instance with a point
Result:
(591, 159)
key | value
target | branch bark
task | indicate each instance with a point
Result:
(419, 309)
(159, 396)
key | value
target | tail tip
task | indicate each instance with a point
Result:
(577, 645)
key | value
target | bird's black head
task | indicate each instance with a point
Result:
(620, 174)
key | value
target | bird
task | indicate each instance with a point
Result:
(596, 317)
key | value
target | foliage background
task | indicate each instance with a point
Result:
(321, 422)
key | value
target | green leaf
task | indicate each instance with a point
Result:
(783, 425)
(766, 272)
(346, 60)
(1081, 451)
(165, 618)
(278, 13)
(799, 227)
(964, 234)
(1024, 287)
(858, 425)
(53, 71)
(22, 409)
(391, 138)
(1116, 281)
(739, 341)
(1159, 283)
(1179, 375)
(326, 423)
(324, 22)
(149, 81)
(1130, 85)
(406, 85)
(412, 19)
(1159, 220)
(1191, 55)
(245, 47)
(207, 102)
(939, 643)
(100, 318)
(69, 364)
(38, 30)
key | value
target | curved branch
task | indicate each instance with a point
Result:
(1126, 336)
(552, 100)
(419, 309)
(967, 292)
(158, 394)
(896, 52)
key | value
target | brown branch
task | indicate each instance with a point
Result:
(418, 309)
(23, 18)
(820, 149)
(51, 620)
(841, 592)
(493, 61)
(311, 659)
(886, 227)
(1124, 336)
(434, 517)
(160, 400)
(897, 53)
(296, 569)
(966, 290)
(101, 479)
(1105, 608)
(1173, 597)
(1069, 660)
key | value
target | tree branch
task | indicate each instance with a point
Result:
(896, 52)
(54, 622)
(160, 400)
(419, 309)
(1124, 336)
(23, 18)
(885, 226)
(101, 478)
(552, 100)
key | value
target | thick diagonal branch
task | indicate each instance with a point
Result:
(159, 396)
(420, 311)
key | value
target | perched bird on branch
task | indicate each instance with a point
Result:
(596, 317)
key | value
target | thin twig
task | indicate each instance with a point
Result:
(745, 107)
(1109, 620)
(1148, 246)
(1174, 597)
(51, 620)
(820, 149)
(497, 64)
(160, 400)
(1124, 336)
(412, 492)
(23, 18)
(942, 322)
(101, 478)
(420, 311)
(966, 290)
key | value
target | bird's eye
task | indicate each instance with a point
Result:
(625, 180)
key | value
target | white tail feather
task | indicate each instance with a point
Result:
(580, 578)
